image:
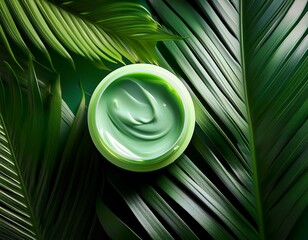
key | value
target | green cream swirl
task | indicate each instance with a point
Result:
(141, 116)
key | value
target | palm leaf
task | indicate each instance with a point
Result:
(37, 199)
(99, 31)
(115, 228)
(244, 176)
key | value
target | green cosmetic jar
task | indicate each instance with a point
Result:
(141, 117)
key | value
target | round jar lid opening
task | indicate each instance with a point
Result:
(141, 117)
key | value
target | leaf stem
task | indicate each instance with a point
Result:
(259, 207)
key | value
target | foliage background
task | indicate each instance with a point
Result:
(89, 76)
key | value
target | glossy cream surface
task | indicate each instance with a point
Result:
(140, 117)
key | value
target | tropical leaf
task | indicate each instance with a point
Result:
(245, 174)
(101, 31)
(115, 228)
(38, 200)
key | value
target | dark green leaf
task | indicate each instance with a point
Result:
(114, 227)
(38, 199)
(244, 175)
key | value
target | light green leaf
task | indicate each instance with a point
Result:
(97, 31)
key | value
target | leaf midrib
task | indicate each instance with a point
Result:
(22, 184)
(259, 207)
